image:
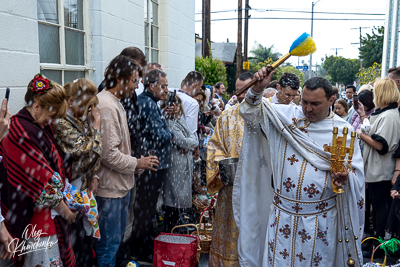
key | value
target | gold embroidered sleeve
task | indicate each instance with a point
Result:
(226, 142)
(215, 149)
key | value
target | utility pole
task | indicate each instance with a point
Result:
(361, 66)
(239, 41)
(312, 25)
(359, 28)
(336, 49)
(246, 30)
(206, 36)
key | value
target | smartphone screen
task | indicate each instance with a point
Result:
(7, 95)
(355, 102)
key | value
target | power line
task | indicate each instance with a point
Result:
(320, 12)
(290, 19)
(336, 49)
(296, 11)
(220, 11)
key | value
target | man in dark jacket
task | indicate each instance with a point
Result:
(155, 136)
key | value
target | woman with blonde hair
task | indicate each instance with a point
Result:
(380, 142)
(35, 178)
(78, 135)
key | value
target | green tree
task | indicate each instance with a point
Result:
(368, 75)
(261, 54)
(322, 70)
(255, 67)
(278, 71)
(281, 70)
(341, 70)
(213, 70)
(231, 77)
(371, 47)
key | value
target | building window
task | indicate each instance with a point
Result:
(151, 30)
(62, 39)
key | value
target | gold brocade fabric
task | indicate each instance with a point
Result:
(224, 250)
(226, 142)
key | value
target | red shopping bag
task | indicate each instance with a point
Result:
(175, 250)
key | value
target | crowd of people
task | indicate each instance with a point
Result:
(83, 167)
(118, 145)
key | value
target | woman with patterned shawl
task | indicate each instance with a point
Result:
(78, 134)
(33, 179)
(80, 140)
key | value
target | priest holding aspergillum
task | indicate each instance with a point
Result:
(284, 199)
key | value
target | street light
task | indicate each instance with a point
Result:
(312, 24)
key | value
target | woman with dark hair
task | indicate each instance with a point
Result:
(35, 177)
(177, 188)
(341, 108)
(367, 100)
(204, 119)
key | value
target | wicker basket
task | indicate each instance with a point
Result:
(372, 257)
(204, 233)
(198, 238)
(198, 205)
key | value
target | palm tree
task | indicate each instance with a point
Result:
(261, 53)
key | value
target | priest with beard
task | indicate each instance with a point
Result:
(284, 199)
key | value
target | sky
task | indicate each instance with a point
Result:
(327, 34)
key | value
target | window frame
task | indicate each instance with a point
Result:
(150, 25)
(63, 66)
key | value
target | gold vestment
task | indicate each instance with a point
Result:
(226, 142)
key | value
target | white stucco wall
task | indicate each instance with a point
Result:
(177, 39)
(114, 26)
(111, 26)
(19, 49)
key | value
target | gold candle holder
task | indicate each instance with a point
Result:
(344, 141)
(351, 152)
(338, 151)
(334, 140)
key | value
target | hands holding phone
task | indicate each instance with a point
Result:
(4, 118)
